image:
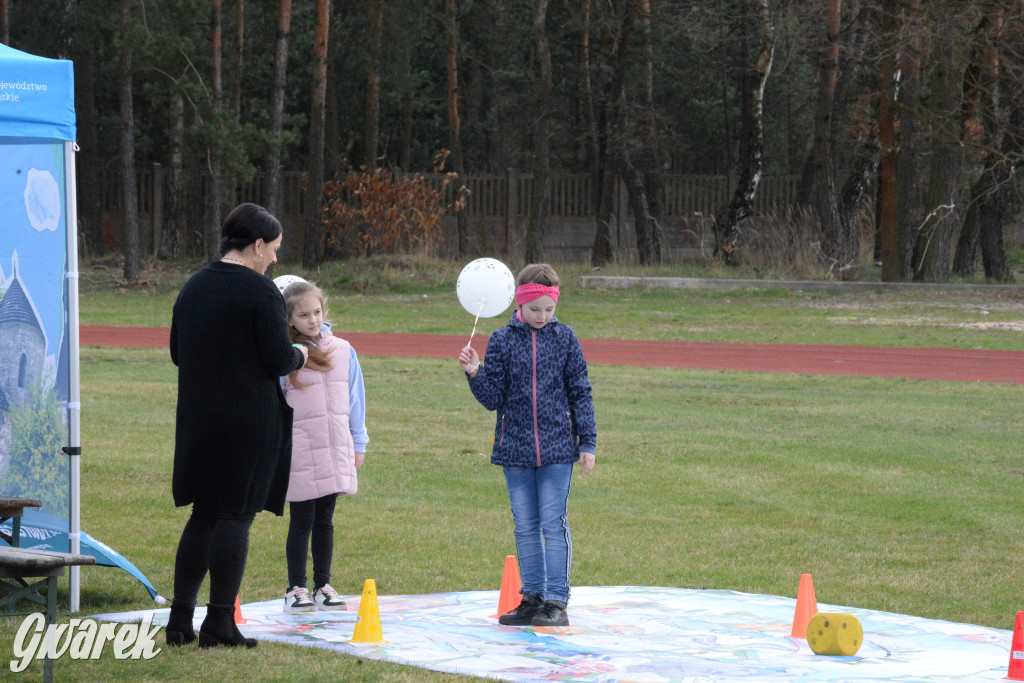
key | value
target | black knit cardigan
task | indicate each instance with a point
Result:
(229, 339)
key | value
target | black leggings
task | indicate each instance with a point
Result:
(213, 541)
(308, 516)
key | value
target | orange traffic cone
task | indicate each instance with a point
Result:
(238, 612)
(806, 607)
(1016, 669)
(510, 597)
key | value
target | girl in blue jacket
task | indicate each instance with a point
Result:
(535, 378)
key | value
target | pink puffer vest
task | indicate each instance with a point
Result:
(323, 459)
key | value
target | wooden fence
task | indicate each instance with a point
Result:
(497, 211)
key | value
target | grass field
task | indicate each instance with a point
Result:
(897, 495)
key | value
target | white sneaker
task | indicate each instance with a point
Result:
(297, 600)
(327, 598)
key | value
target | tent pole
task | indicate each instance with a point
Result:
(74, 393)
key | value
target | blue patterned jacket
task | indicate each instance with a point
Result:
(537, 382)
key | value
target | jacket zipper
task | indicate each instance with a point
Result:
(327, 405)
(536, 431)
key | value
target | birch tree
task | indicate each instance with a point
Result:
(729, 221)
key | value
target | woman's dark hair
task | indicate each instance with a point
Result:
(245, 224)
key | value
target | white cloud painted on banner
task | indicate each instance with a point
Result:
(42, 200)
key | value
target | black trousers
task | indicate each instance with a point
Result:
(216, 542)
(310, 517)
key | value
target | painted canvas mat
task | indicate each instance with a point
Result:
(636, 634)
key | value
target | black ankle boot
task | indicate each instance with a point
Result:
(551, 613)
(219, 628)
(179, 629)
(523, 615)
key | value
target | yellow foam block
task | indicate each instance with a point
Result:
(834, 634)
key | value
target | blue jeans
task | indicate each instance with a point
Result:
(540, 501)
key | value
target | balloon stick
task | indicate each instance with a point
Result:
(483, 301)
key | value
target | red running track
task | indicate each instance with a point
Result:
(965, 365)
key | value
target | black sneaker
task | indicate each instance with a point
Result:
(551, 614)
(523, 615)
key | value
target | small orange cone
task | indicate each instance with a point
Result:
(510, 597)
(806, 607)
(1016, 670)
(238, 612)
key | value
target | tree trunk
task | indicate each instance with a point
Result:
(313, 252)
(213, 149)
(373, 82)
(1011, 64)
(454, 122)
(273, 170)
(887, 187)
(90, 209)
(5, 22)
(542, 142)
(405, 148)
(728, 236)
(603, 177)
(236, 77)
(173, 233)
(983, 93)
(844, 231)
(128, 182)
(817, 187)
(335, 155)
(908, 194)
(649, 242)
(934, 240)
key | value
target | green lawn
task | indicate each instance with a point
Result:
(412, 295)
(897, 495)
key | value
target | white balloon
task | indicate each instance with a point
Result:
(486, 287)
(282, 281)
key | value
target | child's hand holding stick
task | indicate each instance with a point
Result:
(469, 359)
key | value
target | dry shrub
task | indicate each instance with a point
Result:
(789, 243)
(377, 213)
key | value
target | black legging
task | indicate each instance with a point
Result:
(307, 516)
(213, 541)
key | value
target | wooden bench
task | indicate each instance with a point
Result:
(18, 564)
(13, 509)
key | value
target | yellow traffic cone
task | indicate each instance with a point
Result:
(368, 620)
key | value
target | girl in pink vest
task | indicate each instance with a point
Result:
(328, 444)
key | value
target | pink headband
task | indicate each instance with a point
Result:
(528, 292)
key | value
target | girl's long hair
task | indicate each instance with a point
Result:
(318, 358)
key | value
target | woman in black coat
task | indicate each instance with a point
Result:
(232, 451)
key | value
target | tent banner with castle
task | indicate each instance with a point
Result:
(39, 368)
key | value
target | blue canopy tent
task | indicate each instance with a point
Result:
(40, 407)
